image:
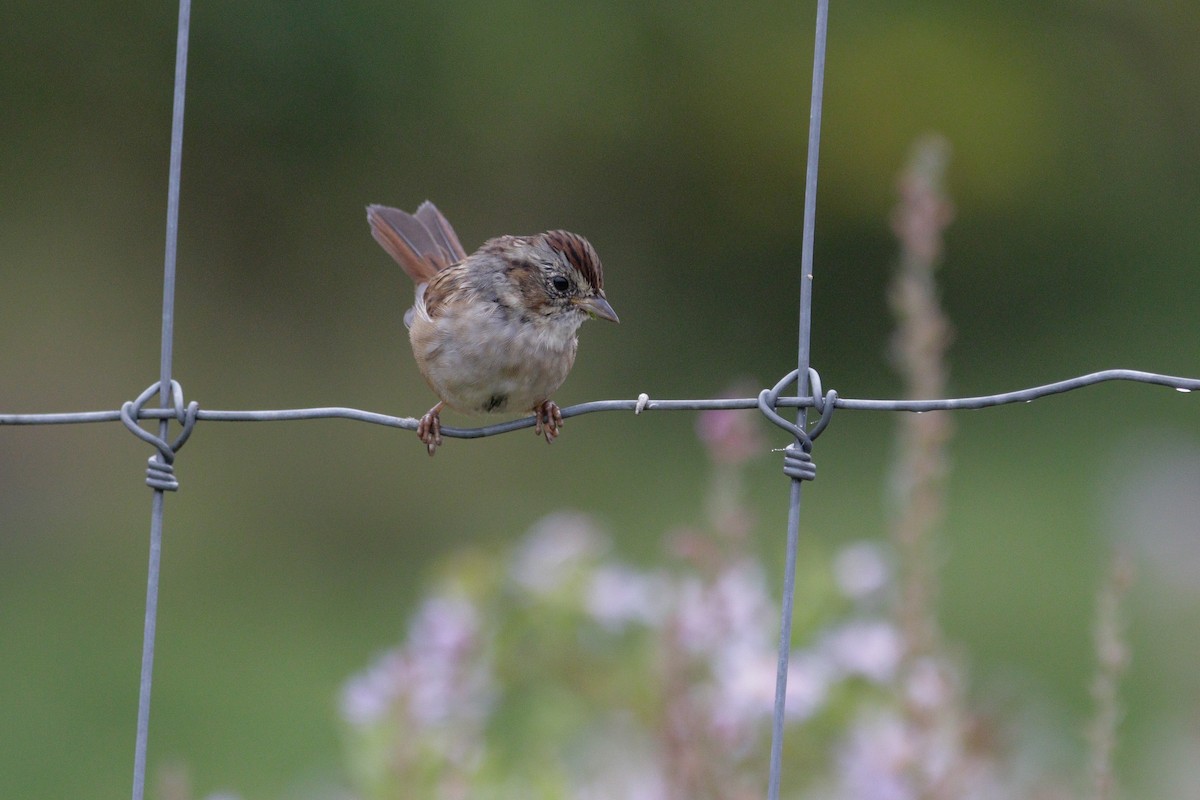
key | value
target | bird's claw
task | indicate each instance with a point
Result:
(429, 429)
(548, 420)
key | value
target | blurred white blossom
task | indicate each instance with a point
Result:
(444, 678)
(860, 570)
(437, 686)
(868, 648)
(555, 550)
(744, 684)
(367, 696)
(618, 595)
(810, 678)
(729, 611)
(874, 759)
(743, 691)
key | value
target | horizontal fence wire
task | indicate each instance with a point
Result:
(642, 404)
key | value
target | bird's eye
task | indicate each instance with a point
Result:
(560, 283)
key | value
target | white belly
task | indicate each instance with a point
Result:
(499, 365)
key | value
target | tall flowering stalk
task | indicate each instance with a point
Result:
(932, 712)
(1112, 659)
(919, 345)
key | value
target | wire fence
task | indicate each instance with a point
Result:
(173, 407)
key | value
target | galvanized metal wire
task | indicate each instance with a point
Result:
(799, 465)
(161, 477)
(180, 413)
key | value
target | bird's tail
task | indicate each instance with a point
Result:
(422, 243)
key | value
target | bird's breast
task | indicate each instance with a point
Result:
(480, 361)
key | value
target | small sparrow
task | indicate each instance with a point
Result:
(493, 331)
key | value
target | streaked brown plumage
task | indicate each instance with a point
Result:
(494, 331)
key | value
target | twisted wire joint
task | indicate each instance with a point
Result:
(160, 470)
(797, 457)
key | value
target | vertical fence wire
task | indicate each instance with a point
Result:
(168, 327)
(806, 277)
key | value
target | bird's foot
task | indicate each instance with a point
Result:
(429, 429)
(548, 420)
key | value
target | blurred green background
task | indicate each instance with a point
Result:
(673, 136)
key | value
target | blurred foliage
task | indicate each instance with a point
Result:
(672, 135)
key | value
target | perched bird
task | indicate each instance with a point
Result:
(493, 331)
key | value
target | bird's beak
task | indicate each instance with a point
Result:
(598, 307)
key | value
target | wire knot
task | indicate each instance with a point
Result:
(797, 458)
(160, 474)
(798, 464)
